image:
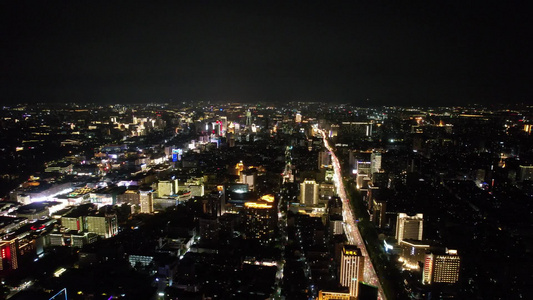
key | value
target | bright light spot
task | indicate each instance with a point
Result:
(59, 272)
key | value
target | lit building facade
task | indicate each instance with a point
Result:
(412, 253)
(298, 118)
(249, 177)
(260, 221)
(443, 268)
(352, 268)
(324, 159)
(309, 192)
(409, 227)
(147, 202)
(73, 223)
(167, 187)
(105, 226)
(9, 254)
(324, 295)
(16, 250)
(336, 225)
(375, 162)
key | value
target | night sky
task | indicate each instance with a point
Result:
(389, 52)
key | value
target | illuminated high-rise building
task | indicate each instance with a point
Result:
(230, 137)
(217, 128)
(324, 159)
(214, 203)
(335, 224)
(298, 118)
(363, 167)
(260, 221)
(334, 130)
(130, 196)
(73, 222)
(248, 118)
(249, 177)
(147, 201)
(167, 187)
(224, 121)
(528, 128)
(9, 255)
(309, 192)
(441, 268)
(352, 268)
(375, 162)
(239, 167)
(409, 227)
(14, 250)
(104, 225)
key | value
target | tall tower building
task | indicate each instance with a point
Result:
(298, 118)
(147, 202)
(352, 268)
(375, 162)
(248, 118)
(409, 227)
(230, 137)
(249, 177)
(260, 221)
(9, 254)
(324, 159)
(224, 121)
(309, 192)
(443, 268)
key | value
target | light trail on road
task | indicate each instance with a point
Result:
(350, 228)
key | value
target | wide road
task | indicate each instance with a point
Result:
(350, 228)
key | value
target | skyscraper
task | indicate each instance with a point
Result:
(9, 254)
(409, 227)
(260, 221)
(441, 268)
(324, 159)
(248, 119)
(298, 118)
(309, 192)
(147, 202)
(249, 177)
(352, 268)
(375, 162)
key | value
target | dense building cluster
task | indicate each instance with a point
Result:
(243, 201)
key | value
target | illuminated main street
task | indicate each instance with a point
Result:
(352, 232)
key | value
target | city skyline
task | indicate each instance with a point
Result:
(236, 201)
(362, 53)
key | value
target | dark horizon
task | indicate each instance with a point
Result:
(420, 54)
